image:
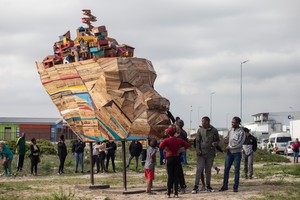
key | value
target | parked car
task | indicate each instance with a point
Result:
(289, 148)
(279, 141)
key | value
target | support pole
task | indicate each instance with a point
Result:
(91, 164)
(124, 165)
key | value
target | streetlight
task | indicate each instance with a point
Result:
(241, 115)
(227, 120)
(210, 115)
(199, 113)
(191, 118)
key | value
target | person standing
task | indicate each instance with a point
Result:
(62, 153)
(249, 147)
(270, 147)
(96, 158)
(21, 150)
(183, 136)
(135, 150)
(296, 147)
(102, 148)
(6, 156)
(234, 141)
(111, 148)
(34, 157)
(171, 146)
(207, 139)
(78, 151)
(149, 167)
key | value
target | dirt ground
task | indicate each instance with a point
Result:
(248, 188)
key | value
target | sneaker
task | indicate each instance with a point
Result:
(195, 190)
(235, 190)
(209, 189)
(223, 189)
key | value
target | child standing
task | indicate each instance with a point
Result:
(150, 165)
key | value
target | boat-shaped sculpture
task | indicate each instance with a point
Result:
(100, 89)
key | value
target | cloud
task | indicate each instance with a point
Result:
(195, 46)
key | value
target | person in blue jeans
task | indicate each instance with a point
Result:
(234, 141)
(78, 151)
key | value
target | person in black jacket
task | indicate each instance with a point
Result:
(135, 150)
(62, 153)
(34, 156)
(78, 152)
(111, 148)
(249, 147)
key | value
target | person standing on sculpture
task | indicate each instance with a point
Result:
(21, 150)
(234, 141)
(207, 139)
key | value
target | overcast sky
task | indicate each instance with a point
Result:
(195, 46)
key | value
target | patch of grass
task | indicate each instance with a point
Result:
(289, 194)
(61, 195)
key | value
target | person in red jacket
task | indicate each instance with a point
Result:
(296, 147)
(171, 146)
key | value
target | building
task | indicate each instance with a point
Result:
(39, 128)
(295, 129)
(265, 124)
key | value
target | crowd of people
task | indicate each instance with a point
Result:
(102, 151)
(239, 143)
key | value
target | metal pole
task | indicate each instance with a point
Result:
(91, 164)
(191, 118)
(210, 114)
(124, 165)
(241, 114)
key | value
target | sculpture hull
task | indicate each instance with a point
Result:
(107, 98)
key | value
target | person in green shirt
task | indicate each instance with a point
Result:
(6, 156)
(21, 150)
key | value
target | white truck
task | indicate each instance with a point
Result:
(279, 141)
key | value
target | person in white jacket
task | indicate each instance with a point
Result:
(234, 141)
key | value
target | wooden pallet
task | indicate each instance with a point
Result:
(107, 98)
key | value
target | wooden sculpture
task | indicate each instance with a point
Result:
(100, 89)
